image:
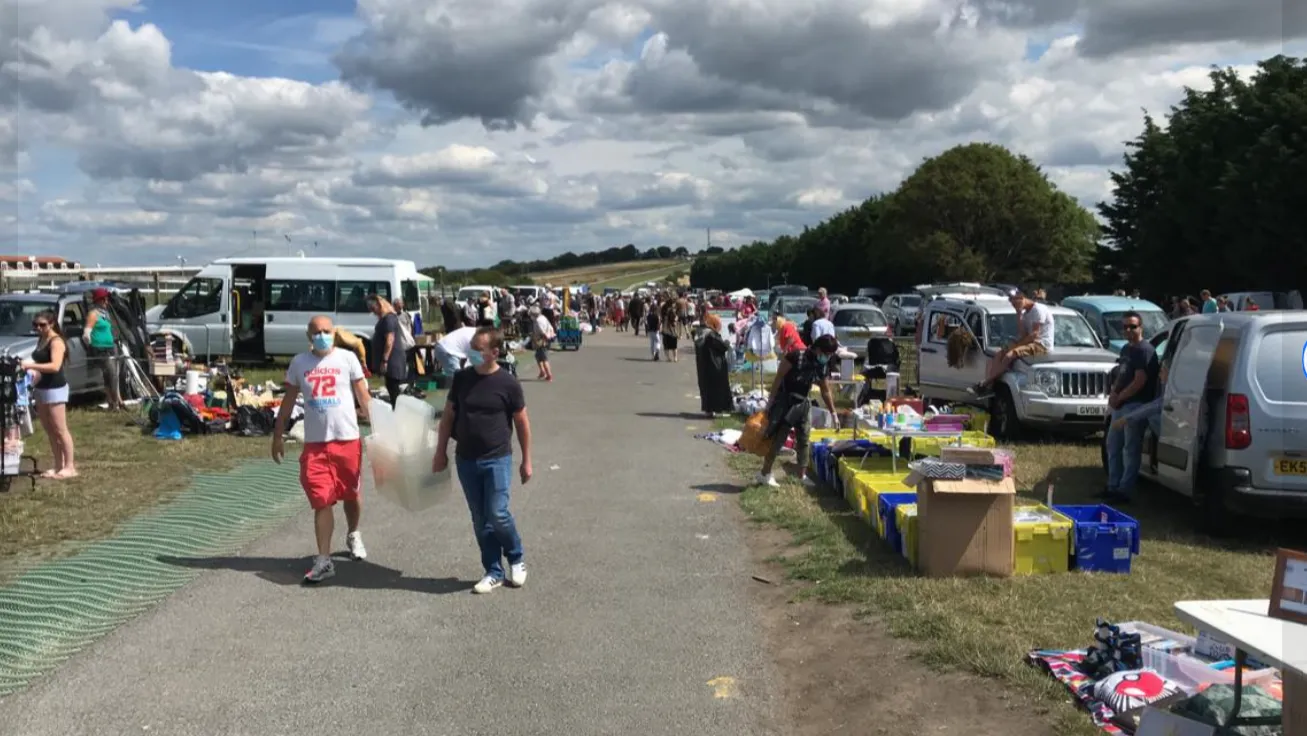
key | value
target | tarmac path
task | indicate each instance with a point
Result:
(636, 618)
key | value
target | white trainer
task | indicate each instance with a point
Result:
(768, 480)
(354, 541)
(487, 585)
(322, 569)
(517, 575)
(808, 482)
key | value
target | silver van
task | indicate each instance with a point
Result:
(1234, 415)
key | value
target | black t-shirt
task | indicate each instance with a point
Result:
(484, 406)
(1136, 357)
(388, 325)
(804, 372)
(651, 321)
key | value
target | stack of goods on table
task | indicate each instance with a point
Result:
(954, 511)
(1132, 667)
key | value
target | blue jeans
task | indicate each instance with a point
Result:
(1124, 449)
(486, 485)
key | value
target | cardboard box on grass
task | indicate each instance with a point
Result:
(965, 527)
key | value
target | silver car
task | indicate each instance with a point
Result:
(17, 338)
(901, 310)
(855, 324)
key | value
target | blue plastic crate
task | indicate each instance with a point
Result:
(888, 503)
(820, 453)
(1104, 539)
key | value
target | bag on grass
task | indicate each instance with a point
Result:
(753, 437)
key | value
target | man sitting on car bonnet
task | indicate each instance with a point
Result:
(1034, 337)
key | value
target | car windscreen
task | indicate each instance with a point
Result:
(470, 294)
(16, 316)
(1069, 331)
(911, 300)
(797, 305)
(859, 318)
(1154, 322)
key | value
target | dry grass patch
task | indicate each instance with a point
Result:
(601, 273)
(986, 626)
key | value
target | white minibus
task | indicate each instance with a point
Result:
(254, 309)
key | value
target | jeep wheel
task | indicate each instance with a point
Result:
(1004, 424)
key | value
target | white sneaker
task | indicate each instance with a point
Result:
(768, 480)
(487, 584)
(322, 569)
(808, 482)
(517, 575)
(354, 541)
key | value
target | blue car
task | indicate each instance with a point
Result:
(1105, 315)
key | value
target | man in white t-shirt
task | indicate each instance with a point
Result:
(1034, 337)
(542, 334)
(452, 349)
(331, 464)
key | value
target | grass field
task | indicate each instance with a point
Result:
(986, 626)
(620, 275)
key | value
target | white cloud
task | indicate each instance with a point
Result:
(525, 129)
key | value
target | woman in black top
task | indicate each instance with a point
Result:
(652, 323)
(51, 392)
(789, 408)
(670, 330)
(387, 353)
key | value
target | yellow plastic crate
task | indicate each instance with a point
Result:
(874, 484)
(906, 520)
(817, 435)
(1042, 547)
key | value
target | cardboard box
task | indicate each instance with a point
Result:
(965, 527)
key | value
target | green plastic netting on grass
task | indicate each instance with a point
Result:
(55, 610)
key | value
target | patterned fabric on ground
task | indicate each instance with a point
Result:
(1064, 666)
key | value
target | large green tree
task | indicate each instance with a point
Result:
(1215, 199)
(980, 213)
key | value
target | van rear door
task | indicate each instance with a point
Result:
(1276, 370)
(1184, 405)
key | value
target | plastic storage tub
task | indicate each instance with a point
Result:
(887, 513)
(1182, 667)
(1043, 543)
(1105, 540)
(872, 486)
(905, 519)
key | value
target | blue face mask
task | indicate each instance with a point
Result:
(822, 359)
(322, 341)
(475, 359)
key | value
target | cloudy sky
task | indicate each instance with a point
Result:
(464, 132)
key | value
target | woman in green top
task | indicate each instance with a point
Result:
(99, 337)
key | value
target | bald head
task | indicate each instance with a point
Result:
(320, 323)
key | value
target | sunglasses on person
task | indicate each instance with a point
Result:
(40, 325)
(1132, 326)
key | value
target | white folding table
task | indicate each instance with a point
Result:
(1247, 627)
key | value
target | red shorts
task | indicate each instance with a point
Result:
(331, 471)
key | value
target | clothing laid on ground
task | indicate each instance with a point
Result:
(484, 407)
(710, 363)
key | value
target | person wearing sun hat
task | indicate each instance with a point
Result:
(102, 345)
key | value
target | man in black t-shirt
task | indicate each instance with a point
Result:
(789, 407)
(1136, 384)
(484, 407)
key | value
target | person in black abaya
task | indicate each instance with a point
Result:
(710, 351)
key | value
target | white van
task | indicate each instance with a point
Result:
(1234, 421)
(252, 309)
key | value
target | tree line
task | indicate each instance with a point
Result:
(508, 272)
(1212, 197)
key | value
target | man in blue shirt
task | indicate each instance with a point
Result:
(1210, 306)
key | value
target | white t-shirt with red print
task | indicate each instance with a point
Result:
(327, 384)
